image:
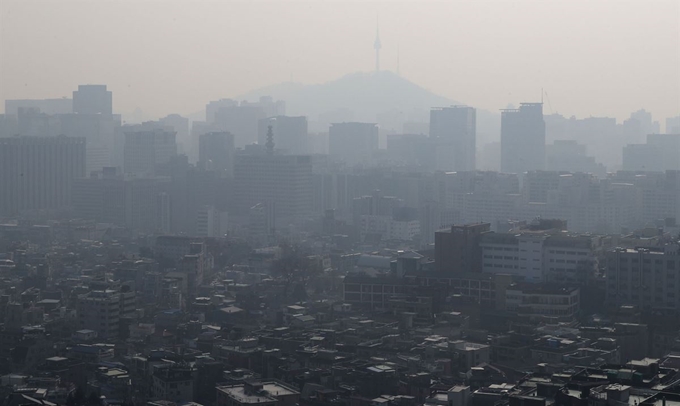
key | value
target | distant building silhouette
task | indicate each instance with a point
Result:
(145, 150)
(181, 126)
(454, 130)
(672, 125)
(37, 172)
(242, 119)
(291, 133)
(570, 156)
(99, 130)
(523, 139)
(47, 106)
(353, 143)
(216, 152)
(284, 181)
(135, 203)
(92, 99)
(214, 106)
(660, 153)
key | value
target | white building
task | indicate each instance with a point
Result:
(388, 228)
(540, 256)
(404, 230)
(211, 222)
(545, 301)
(100, 311)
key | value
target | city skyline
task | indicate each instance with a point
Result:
(484, 47)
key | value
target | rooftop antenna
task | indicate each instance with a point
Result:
(548, 99)
(377, 45)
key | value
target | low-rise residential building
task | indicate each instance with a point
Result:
(261, 393)
(543, 301)
(173, 382)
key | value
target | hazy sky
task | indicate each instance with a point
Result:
(593, 57)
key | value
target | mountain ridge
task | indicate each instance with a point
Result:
(383, 97)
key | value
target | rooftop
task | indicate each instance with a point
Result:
(268, 393)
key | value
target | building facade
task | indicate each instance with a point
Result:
(145, 150)
(540, 257)
(216, 152)
(353, 143)
(457, 249)
(37, 173)
(284, 180)
(455, 127)
(92, 99)
(523, 139)
(644, 277)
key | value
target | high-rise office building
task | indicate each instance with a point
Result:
(214, 106)
(523, 139)
(34, 123)
(455, 128)
(181, 126)
(216, 152)
(138, 204)
(145, 150)
(99, 130)
(353, 143)
(92, 99)
(282, 180)
(38, 172)
(262, 224)
(285, 180)
(241, 121)
(291, 133)
(9, 125)
(457, 249)
(672, 125)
